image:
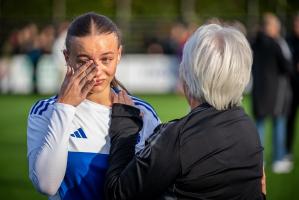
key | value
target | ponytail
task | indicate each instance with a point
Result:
(118, 85)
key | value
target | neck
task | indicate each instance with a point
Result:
(103, 98)
(193, 103)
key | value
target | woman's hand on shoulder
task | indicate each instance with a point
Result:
(263, 182)
(122, 97)
(77, 84)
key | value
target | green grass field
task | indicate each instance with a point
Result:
(14, 181)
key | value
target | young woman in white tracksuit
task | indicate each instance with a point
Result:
(67, 135)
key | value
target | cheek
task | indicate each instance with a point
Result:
(107, 71)
(111, 70)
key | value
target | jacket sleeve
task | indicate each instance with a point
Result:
(284, 57)
(47, 142)
(152, 170)
(150, 122)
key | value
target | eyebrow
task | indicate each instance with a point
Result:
(107, 53)
(104, 54)
(82, 55)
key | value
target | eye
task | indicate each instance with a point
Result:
(82, 62)
(106, 60)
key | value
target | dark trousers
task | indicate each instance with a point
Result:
(292, 117)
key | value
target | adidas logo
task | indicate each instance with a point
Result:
(79, 133)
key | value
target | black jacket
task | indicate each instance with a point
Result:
(208, 154)
(270, 71)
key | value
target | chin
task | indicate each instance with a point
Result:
(98, 89)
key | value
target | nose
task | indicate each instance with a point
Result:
(95, 64)
(98, 66)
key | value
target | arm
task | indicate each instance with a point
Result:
(263, 183)
(47, 141)
(150, 122)
(148, 174)
(48, 134)
(284, 57)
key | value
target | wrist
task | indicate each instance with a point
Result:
(67, 108)
(65, 101)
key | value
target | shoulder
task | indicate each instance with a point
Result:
(162, 135)
(145, 107)
(205, 119)
(42, 106)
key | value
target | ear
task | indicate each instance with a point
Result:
(66, 56)
(186, 92)
(119, 53)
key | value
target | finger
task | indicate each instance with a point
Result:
(72, 72)
(84, 77)
(89, 70)
(68, 74)
(114, 97)
(263, 182)
(81, 69)
(121, 97)
(127, 99)
(68, 71)
(87, 87)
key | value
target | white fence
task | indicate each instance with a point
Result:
(138, 72)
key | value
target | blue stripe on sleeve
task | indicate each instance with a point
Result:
(116, 90)
(48, 102)
(41, 104)
(140, 102)
(33, 107)
(137, 99)
(38, 107)
(44, 109)
(148, 108)
(146, 104)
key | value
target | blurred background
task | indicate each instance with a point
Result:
(32, 67)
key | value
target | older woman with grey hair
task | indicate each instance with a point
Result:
(214, 152)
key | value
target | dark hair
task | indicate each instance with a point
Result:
(90, 23)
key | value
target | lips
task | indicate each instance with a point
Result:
(99, 82)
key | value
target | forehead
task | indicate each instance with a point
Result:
(91, 44)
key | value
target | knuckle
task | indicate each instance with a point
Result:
(76, 82)
(72, 78)
(89, 76)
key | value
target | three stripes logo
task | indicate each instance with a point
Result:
(42, 105)
(79, 134)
